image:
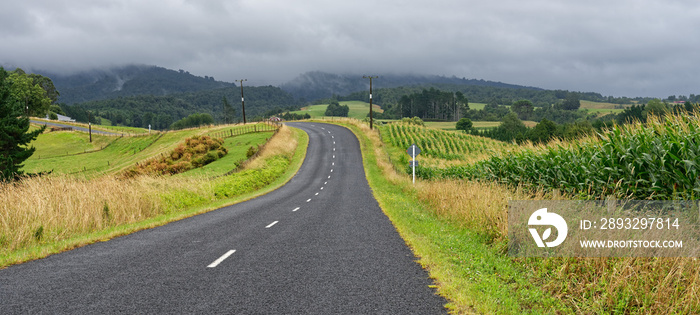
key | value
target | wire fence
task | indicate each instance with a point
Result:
(241, 130)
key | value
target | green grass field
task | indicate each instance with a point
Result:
(237, 148)
(602, 108)
(358, 110)
(477, 106)
(60, 151)
(53, 144)
(106, 126)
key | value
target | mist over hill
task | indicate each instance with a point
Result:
(315, 85)
(125, 81)
(136, 80)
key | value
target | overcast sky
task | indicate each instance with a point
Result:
(614, 47)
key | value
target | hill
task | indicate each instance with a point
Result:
(161, 111)
(316, 85)
(125, 81)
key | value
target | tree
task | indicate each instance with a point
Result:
(572, 102)
(632, 114)
(335, 109)
(523, 108)
(543, 132)
(229, 113)
(14, 132)
(194, 120)
(47, 85)
(464, 124)
(656, 107)
(510, 129)
(31, 96)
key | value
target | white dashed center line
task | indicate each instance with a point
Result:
(316, 194)
(295, 209)
(271, 224)
(222, 258)
(308, 200)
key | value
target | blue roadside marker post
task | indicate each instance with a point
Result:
(413, 150)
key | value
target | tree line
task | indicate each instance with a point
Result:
(162, 111)
(389, 97)
(513, 129)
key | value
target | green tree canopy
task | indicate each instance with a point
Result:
(656, 107)
(335, 109)
(543, 132)
(229, 113)
(572, 101)
(464, 124)
(14, 130)
(33, 98)
(194, 120)
(523, 108)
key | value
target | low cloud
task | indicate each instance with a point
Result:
(632, 48)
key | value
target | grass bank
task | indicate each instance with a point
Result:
(47, 215)
(458, 228)
(441, 222)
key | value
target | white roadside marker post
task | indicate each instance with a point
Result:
(413, 150)
(414, 163)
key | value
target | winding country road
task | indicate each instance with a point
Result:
(58, 124)
(320, 245)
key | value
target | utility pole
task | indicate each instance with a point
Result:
(90, 125)
(371, 119)
(242, 99)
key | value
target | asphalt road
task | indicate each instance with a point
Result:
(318, 245)
(58, 124)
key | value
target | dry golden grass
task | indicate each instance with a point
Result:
(283, 143)
(588, 285)
(51, 209)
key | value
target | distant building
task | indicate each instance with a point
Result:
(275, 118)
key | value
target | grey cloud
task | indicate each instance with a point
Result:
(634, 48)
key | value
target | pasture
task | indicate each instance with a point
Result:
(358, 110)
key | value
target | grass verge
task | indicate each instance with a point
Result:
(467, 264)
(458, 229)
(48, 215)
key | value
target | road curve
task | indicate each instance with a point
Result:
(318, 245)
(58, 124)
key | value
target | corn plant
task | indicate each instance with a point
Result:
(658, 160)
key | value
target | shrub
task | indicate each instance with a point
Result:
(194, 152)
(413, 121)
(251, 151)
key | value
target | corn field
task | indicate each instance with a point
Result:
(439, 143)
(658, 160)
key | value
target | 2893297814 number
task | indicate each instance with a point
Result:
(638, 223)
